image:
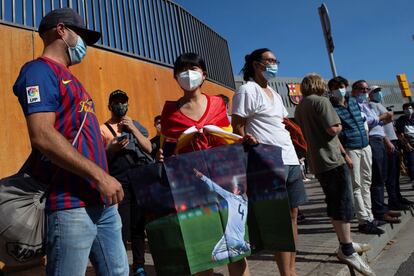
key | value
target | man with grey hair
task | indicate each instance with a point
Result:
(380, 210)
(82, 221)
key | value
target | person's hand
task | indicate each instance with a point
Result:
(197, 173)
(127, 123)
(249, 139)
(110, 189)
(408, 147)
(348, 161)
(115, 145)
(387, 117)
(389, 147)
(159, 157)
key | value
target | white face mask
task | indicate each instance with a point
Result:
(190, 80)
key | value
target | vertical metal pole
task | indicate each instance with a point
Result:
(33, 12)
(24, 12)
(113, 24)
(332, 62)
(13, 4)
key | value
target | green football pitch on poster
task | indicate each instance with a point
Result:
(185, 239)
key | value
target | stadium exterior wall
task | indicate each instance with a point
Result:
(148, 85)
(392, 93)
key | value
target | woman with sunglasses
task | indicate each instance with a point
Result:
(259, 110)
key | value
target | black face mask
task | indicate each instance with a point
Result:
(119, 109)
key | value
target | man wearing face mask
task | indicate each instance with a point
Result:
(127, 147)
(56, 107)
(392, 182)
(380, 210)
(405, 132)
(356, 152)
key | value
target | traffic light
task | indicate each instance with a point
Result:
(404, 85)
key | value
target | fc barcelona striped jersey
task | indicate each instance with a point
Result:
(44, 85)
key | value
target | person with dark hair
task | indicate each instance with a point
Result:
(226, 101)
(127, 147)
(198, 115)
(258, 110)
(392, 182)
(405, 130)
(380, 210)
(321, 126)
(82, 221)
(155, 141)
(356, 152)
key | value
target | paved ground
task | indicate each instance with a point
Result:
(397, 258)
(317, 242)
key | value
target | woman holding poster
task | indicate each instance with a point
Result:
(196, 122)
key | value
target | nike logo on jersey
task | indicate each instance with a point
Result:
(66, 81)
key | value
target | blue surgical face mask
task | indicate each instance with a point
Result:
(361, 98)
(77, 53)
(377, 97)
(339, 93)
(270, 71)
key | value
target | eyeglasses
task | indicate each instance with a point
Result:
(270, 61)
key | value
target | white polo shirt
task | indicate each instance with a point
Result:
(265, 118)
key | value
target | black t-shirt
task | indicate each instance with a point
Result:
(155, 142)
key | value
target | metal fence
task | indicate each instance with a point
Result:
(154, 30)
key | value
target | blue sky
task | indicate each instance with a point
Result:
(373, 38)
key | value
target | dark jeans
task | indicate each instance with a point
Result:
(392, 183)
(379, 175)
(133, 226)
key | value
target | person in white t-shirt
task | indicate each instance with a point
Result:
(259, 110)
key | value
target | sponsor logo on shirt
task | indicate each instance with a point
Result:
(86, 106)
(33, 94)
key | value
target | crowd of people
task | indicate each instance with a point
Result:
(91, 209)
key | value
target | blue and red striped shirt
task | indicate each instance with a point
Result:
(47, 86)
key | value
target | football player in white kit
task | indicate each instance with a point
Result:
(232, 244)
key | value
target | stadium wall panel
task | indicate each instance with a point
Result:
(148, 85)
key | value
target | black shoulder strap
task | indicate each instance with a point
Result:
(110, 129)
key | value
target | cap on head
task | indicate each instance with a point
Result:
(118, 94)
(72, 20)
(374, 88)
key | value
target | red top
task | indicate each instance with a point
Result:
(174, 123)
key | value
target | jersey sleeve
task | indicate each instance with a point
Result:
(214, 187)
(37, 88)
(243, 104)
